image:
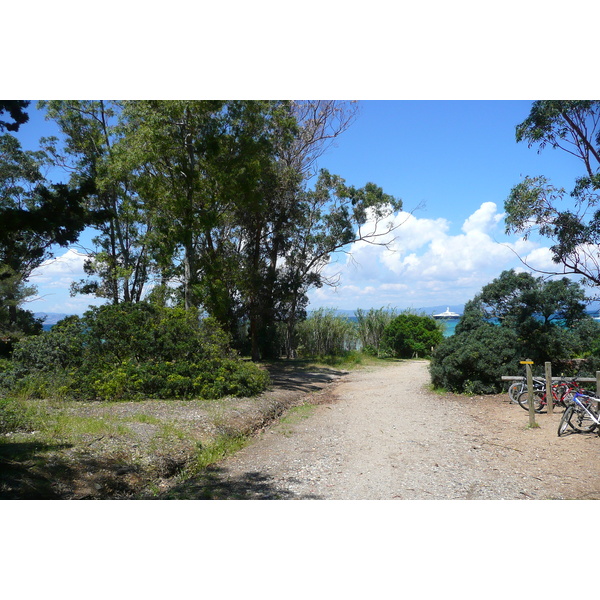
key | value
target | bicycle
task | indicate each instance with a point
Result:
(580, 415)
(562, 395)
(518, 387)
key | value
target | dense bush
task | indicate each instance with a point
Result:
(474, 361)
(17, 416)
(409, 335)
(515, 317)
(133, 351)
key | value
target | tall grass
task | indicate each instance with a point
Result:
(370, 327)
(325, 333)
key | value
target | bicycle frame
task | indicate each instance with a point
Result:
(595, 418)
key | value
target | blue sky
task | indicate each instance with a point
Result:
(452, 163)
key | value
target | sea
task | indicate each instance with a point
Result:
(449, 326)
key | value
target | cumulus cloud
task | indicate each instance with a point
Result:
(53, 279)
(425, 264)
(485, 218)
(60, 271)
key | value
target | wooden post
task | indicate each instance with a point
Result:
(597, 389)
(528, 364)
(549, 397)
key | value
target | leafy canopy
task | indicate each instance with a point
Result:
(570, 220)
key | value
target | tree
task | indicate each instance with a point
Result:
(409, 335)
(571, 221)
(331, 217)
(16, 110)
(34, 216)
(539, 311)
(205, 170)
(232, 217)
(118, 266)
(516, 316)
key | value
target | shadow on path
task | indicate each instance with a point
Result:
(216, 484)
(302, 380)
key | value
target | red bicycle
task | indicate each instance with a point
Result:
(562, 395)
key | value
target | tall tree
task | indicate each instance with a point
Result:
(234, 221)
(539, 312)
(571, 221)
(117, 266)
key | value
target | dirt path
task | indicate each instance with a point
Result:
(381, 434)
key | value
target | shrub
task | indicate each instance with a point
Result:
(16, 416)
(371, 327)
(409, 335)
(474, 361)
(132, 351)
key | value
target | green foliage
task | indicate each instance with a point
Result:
(473, 361)
(133, 351)
(570, 221)
(34, 217)
(16, 110)
(214, 195)
(325, 333)
(409, 335)
(16, 415)
(516, 316)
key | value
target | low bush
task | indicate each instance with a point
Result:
(133, 351)
(325, 334)
(16, 416)
(370, 329)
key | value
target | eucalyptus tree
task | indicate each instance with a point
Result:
(205, 170)
(540, 312)
(225, 186)
(570, 220)
(118, 265)
(331, 217)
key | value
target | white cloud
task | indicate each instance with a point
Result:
(60, 271)
(53, 279)
(485, 218)
(425, 265)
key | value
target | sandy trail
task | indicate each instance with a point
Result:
(381, 434)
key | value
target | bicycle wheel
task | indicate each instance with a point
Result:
(515, 390)
(564, 422)
(580, 421)
(567, 399)
(560, 390)
(538, 400)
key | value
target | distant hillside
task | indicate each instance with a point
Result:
(50, 318)
(429, 310)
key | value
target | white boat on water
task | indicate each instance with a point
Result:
(447, 314)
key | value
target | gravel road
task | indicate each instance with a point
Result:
(382, 434)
